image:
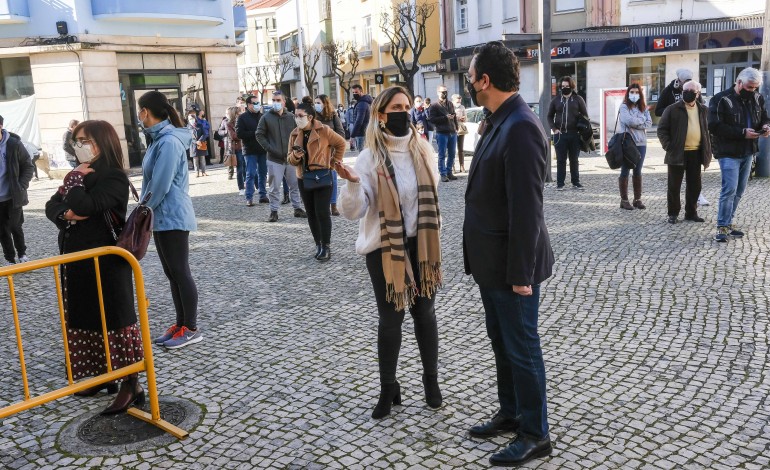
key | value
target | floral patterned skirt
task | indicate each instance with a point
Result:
(87, 350)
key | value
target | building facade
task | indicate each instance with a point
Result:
(93, 59)
(647, 41)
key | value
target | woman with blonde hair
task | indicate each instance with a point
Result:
(393, 192)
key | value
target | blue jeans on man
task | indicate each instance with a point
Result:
(447, 144)
(512, 327)
(735, 177)
(240, 169)
(359, 141)
(256, 175)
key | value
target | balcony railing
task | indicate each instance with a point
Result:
(14, 11)
(165, 11)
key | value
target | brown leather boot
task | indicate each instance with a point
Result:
(623, 186)
(637, 181)
(130, 393)
(334, 210)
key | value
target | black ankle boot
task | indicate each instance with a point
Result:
(317, 251)
(390, 394)
(432, 392)
(325, 254)
(130, 393)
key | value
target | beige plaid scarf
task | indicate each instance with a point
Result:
(401, 285)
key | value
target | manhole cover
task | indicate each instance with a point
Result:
(91, 434)
(124, 429)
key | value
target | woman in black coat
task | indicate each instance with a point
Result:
(96, 189)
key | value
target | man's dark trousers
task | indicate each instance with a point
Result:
(691, 171)
(512, 326)
(567, 145)
(11, 233)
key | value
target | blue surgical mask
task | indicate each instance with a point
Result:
(633, 97)
(277, 107)
(318, 108)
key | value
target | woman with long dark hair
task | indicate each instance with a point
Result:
(329, 117)
(635, 119)
(393, 192)
(166, 180)
(314, 148)
(92, 197)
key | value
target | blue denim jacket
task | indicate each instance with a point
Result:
(166, 176)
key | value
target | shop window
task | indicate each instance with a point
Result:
(576, 70)
(15, 79)
(366, 43)
(650, 74)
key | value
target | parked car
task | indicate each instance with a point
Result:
(474, 117)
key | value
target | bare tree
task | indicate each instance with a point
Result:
(247, 80)
(342, 54)
(404, 24)
(280, 67)
(262, 77)
(311, 55)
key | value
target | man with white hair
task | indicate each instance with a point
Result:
(737, 119)
(673, 91)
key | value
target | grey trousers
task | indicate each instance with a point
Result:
(276, 172)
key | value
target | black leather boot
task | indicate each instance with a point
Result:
(325, 254)
(130, 393)
(432, 392)
(317, 250)
(390, 394)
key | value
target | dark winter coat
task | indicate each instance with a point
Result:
(19, 169)
(565, 118)
(362, 116)
(672, 132)
(105, 189)
(334, 123)
(727, 122)
(246, 130)
(437, 116)
(420, 115)
(668, 96)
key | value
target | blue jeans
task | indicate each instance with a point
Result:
(256, 175)
(625, 169)
(512, 327)
(334, 188)
(240, 170)
(359, 141)
(735, 176)
(447, 143)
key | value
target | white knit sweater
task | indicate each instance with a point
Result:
(358, 201)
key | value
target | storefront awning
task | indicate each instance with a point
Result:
(677, 27)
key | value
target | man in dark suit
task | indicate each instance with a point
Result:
(507, 249)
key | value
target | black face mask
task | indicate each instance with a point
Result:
(472, 91)
(443, 95)
(746, 94)
(566, 91)
(689, 96)
(356, 96)
(398, 123)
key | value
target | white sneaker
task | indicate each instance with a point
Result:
(242, 192)
(23, 259)
(702, 201)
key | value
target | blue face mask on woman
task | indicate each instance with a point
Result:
(318, 108)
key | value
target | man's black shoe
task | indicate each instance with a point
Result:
(672, 219)
(495, 426)
(694, 218)
(300, 213)
(285, 199)
(451, 176)
(522, 450)
(264, 200)
(273, 216)
(444, 179)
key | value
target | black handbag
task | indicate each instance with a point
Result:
(316, 179)
(622, 148)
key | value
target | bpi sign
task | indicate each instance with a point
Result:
(662, 43)
(557, 51)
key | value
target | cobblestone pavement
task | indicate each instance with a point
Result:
(655, 341)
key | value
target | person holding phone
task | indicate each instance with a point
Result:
(395, 185)
(737, 119)
(313, 147)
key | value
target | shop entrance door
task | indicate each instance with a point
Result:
(137, 143)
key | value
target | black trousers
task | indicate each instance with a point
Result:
(174, 252)
(460, 153)
(11, 233)
(389, 327)
(319, 215)
(567, 145)
(690, 170)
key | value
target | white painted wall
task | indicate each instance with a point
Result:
(310, 15)
(690, 61)
(473, 35)
(607, 72)
(662, 11)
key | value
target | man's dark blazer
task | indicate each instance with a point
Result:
(505, 240)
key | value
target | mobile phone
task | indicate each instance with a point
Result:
(297, 148)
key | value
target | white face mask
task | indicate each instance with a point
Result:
(633, 97)
(84, 154)
(418, 104)
(302, 122)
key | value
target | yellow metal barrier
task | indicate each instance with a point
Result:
(146, 365)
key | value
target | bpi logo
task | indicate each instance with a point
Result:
(660, 43)
(557, 51)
